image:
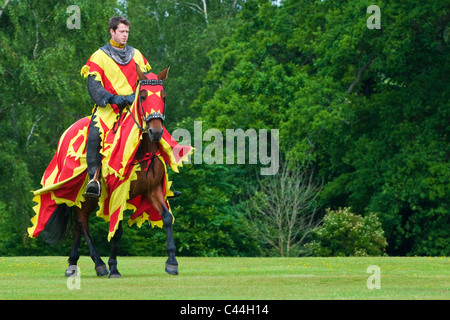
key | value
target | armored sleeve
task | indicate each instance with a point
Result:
(98, 94)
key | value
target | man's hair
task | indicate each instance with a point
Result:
(114, 22)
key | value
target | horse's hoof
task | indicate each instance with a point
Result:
(71, 271)
(172, 269)
(115, 275)
(102, 270)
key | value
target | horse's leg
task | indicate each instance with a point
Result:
(171, 263)
(83, 219)
(157, 200)
(74, 253)
(112, 262)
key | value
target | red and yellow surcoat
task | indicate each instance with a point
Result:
(116, 79)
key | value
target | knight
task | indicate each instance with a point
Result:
(111, 83)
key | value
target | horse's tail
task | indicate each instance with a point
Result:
(60, 224)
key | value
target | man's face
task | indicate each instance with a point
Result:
(121, 34)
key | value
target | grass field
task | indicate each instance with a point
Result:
(230, 279)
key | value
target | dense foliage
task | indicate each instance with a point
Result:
(353, 235)
(367, 109)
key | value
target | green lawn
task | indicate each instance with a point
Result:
(230, 278)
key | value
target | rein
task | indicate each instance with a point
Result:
(148, 157)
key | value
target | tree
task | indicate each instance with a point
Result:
(283, 209)
(368, 108)
(382, 146)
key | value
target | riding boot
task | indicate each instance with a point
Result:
(94, 160)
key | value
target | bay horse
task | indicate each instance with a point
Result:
(147, 184)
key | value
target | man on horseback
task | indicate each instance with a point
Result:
(114, 142)
(112, 80)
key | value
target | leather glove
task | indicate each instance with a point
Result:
(129, 99)
(119, 101)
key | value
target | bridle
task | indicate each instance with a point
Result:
(153, 115)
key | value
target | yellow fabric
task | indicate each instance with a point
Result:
(115, 44)
(101, 59)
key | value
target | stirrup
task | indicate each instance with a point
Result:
(93, 191)
(175, 195)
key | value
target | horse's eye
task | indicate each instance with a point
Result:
(143, 95)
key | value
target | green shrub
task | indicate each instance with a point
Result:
(344, 233)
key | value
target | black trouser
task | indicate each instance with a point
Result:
(93, 146)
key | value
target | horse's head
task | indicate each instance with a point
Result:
(151, 102)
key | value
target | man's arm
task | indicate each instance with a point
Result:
(98, 94)
(101, 97)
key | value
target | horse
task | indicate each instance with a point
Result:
(148, 185)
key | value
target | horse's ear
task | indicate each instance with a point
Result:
(164, 74)
(139, 72)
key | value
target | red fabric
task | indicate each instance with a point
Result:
(60, 169)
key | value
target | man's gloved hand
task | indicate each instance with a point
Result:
(129, 99)
(118, 100)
